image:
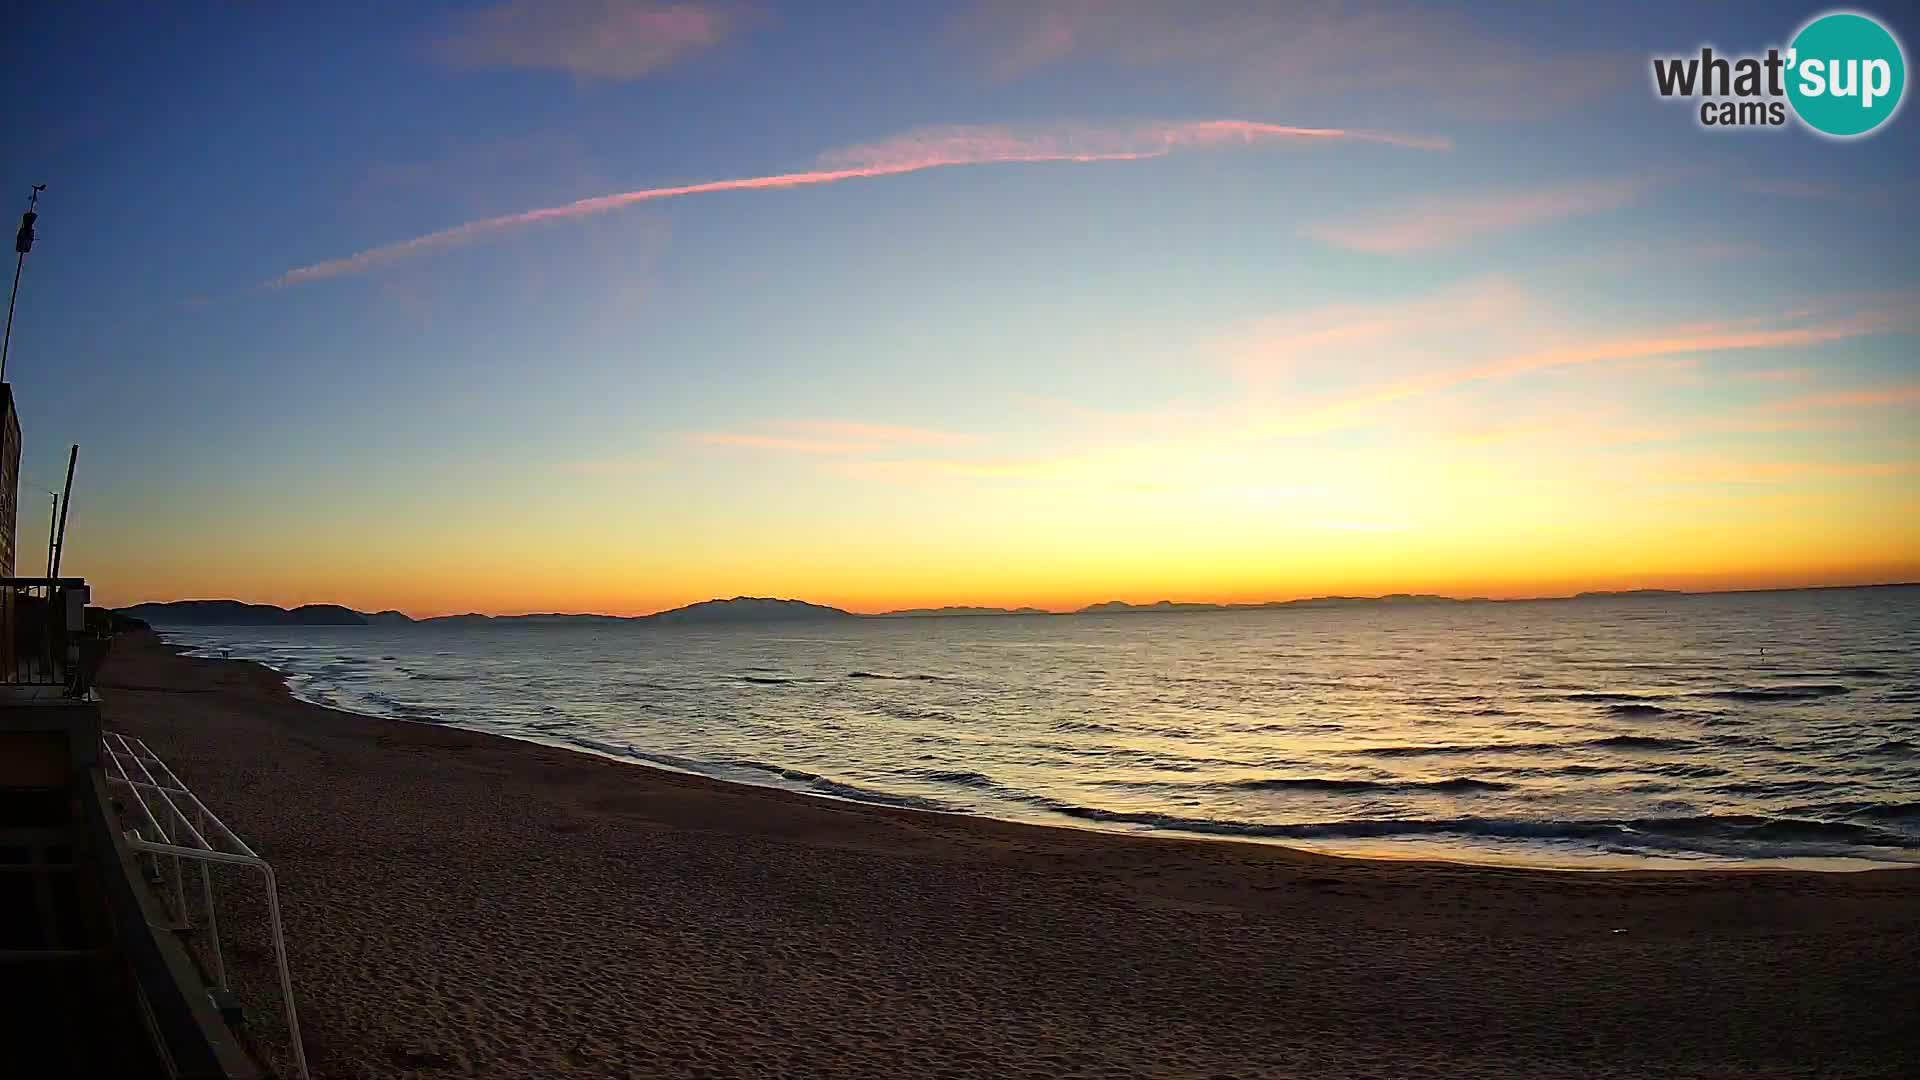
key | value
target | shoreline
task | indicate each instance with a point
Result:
(462, 902)
(1517, 851)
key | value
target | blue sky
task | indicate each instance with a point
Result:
(934, 386)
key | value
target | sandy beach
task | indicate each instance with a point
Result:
(463, 904)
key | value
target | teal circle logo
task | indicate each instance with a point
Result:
(1846, 74)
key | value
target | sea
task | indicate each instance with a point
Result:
(1777, 729)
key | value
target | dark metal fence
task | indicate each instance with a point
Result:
(44, 637)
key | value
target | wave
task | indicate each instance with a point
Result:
(1895, 748)
(1454, 748)
(1636, 708)
(1728, 834)
(1089, 726)
(767, 680)
(961, 777)
(1641, 742)
(1876, 811)
(916, 677)
(1797, 692)
(1776, 787)
(1617, 742)
(1601, 696)
(816, 784)
(1688, 771)
(1893, 811)
(1842, 673)
(1317, 783)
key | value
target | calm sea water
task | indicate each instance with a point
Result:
(1757, 727)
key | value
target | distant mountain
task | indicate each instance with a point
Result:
(749, 609)
(1628, 594)
(958, 611)
(1345, 601)
(235, 613)
(1121, 607)
(326, 615)
(1124, 608)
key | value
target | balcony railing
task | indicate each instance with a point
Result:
(44, 638)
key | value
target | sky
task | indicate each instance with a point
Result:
(601, 306)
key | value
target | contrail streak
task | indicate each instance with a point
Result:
(913, 152)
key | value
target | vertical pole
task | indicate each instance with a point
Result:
(286, 979)
(206, 897)
(66, 503)
(6, 346)
(22, 243)
(45, 657)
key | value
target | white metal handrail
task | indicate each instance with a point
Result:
(188, 838)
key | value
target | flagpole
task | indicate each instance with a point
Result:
(22, 243)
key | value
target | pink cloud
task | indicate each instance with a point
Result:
(829, 437)
(968, 144)
(781, 442)
(1448, 221)
(1778, 472)
(1489, 308)
(1904, 394)
(912, 152)
(1847, 194)
(613, 466)
(605, 39)
(1295, 52)
(879, 433)
(1798, 374)
(1738, 335)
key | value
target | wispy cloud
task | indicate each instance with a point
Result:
(1778, 375)
(602, 39)
(1397, 52)
(1848, 194)
(1489, 309)
(829, 437)
(1871, 397)
(1779, 472)
(785, 443)
(912, 152)
(871, 433)
(1448, 221)
(613, 466)
(1628, 348)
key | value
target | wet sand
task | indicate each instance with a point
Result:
(463, 904)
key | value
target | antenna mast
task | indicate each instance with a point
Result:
(22, 243)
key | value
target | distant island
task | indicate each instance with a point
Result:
(1122, 607)
(937, 612)
(235, 613)
(762, 609)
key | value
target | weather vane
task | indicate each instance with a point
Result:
(22, 243)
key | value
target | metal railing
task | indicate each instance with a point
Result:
(44, 639)
(170, 822)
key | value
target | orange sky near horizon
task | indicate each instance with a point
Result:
(870, 578)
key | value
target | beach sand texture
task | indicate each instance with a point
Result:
(460, 904)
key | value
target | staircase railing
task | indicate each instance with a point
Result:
(169, 821)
